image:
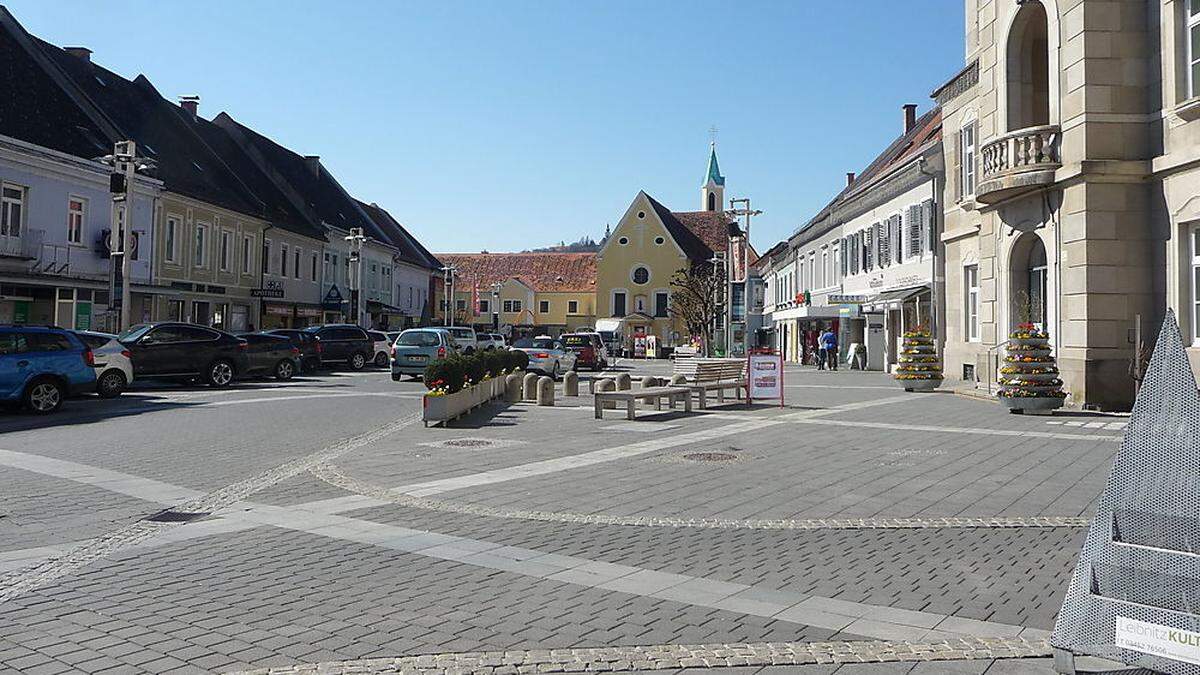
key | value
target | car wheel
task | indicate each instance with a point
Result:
(469, 351)
(44, 396)
(381, 359)
(111, 384)
(284, 370)
(358, 361)
(220, 374)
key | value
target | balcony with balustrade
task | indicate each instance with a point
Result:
(26, 245)
(1018, 162)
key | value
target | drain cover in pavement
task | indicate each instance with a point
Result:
(176, 516)
(467, 443)
(711, 456)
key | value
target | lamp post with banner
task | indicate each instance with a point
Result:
(355, 239)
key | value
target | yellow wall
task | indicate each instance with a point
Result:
(559, 303)
(642, 228)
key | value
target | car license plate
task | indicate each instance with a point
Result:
(419, 357)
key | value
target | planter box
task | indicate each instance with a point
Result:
(439, 409)
(920, 385)
(1033, 377)
(1044, 342)
(1033, 406)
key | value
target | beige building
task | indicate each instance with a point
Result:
(1070, 151)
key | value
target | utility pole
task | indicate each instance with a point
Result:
(448, 276)
(125, 164)
(746, 212)
(716, 261)
(355, 239)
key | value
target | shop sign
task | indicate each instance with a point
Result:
(83, 315)
(1156, 640)
(843, 299)
(765, 379)
(333, 299)
(308, 312)
(277, 309)
(266, 292)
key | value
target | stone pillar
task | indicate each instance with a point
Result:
(678, 378)
(530, 386)
(624, 382)
(513, 387)
(607, 384)
(545, 391)
(571, 384)
(649, 381)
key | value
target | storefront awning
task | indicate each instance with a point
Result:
(899, 295)
(376, 306)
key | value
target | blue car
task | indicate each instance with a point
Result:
(41, 367)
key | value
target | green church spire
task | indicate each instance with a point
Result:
(714, 171)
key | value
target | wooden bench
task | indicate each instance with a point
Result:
(632, 396)
(705, 375)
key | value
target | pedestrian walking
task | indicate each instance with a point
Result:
(829, 348)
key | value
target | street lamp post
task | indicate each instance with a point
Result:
(747, 213)
(496, 306)
(125, 164)
(448, 275)
(355, 239)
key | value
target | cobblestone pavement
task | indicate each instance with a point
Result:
(857, 522)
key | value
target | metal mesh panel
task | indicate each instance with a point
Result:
(1138, 560)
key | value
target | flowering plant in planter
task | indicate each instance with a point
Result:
(919, 366)
(1028, 380)
(437, 388)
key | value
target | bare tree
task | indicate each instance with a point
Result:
(695, 291)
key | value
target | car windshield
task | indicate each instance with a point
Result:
(135, 332)
(418, 338)
(538, 343)
(462, 332)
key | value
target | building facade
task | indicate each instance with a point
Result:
(1069, 201)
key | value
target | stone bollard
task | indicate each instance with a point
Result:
(545, 391)
(624, 382)
(678, 379)
(607, 385)
(530, 386)
(571, 384)
(512, 387)
(649, 381)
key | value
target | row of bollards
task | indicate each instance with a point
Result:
(540, 389)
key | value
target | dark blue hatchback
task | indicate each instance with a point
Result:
(41, 366)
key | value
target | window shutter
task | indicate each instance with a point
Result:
(903, 249)
(913, 229)
(869, 250)
(958, 151)
(894, 224)
(882, 245)
(929, 225)
(844, 249)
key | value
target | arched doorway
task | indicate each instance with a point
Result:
(1030, 282)
(1028, 68)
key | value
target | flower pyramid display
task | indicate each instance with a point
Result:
(1029, 379)
(919, 369)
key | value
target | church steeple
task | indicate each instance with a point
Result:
(712, 194)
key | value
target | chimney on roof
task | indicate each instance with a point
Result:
(910, 116)
(313, 162)
(79, 52)
(190, 104)
(849, 178)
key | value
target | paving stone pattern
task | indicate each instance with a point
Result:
(671, 657)
(1012, 576)
(37, 510)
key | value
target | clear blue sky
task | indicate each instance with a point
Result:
(511, 125)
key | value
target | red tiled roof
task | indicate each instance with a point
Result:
(711, 226)
(547, 272)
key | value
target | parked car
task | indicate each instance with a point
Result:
(273, 355)
(171, 350)
(41, 366)
(416, 347)
(546, 355)
(464, 338)
(344, 343)
(490, 341)
(114, 363)
(306, 342)
(588, 348)
(383, 348)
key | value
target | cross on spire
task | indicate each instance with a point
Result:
(712, 134)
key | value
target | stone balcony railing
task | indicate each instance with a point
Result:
(1017, 162)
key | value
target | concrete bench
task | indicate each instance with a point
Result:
(632, 396)
(704, 375)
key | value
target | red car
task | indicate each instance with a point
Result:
(588, 348)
